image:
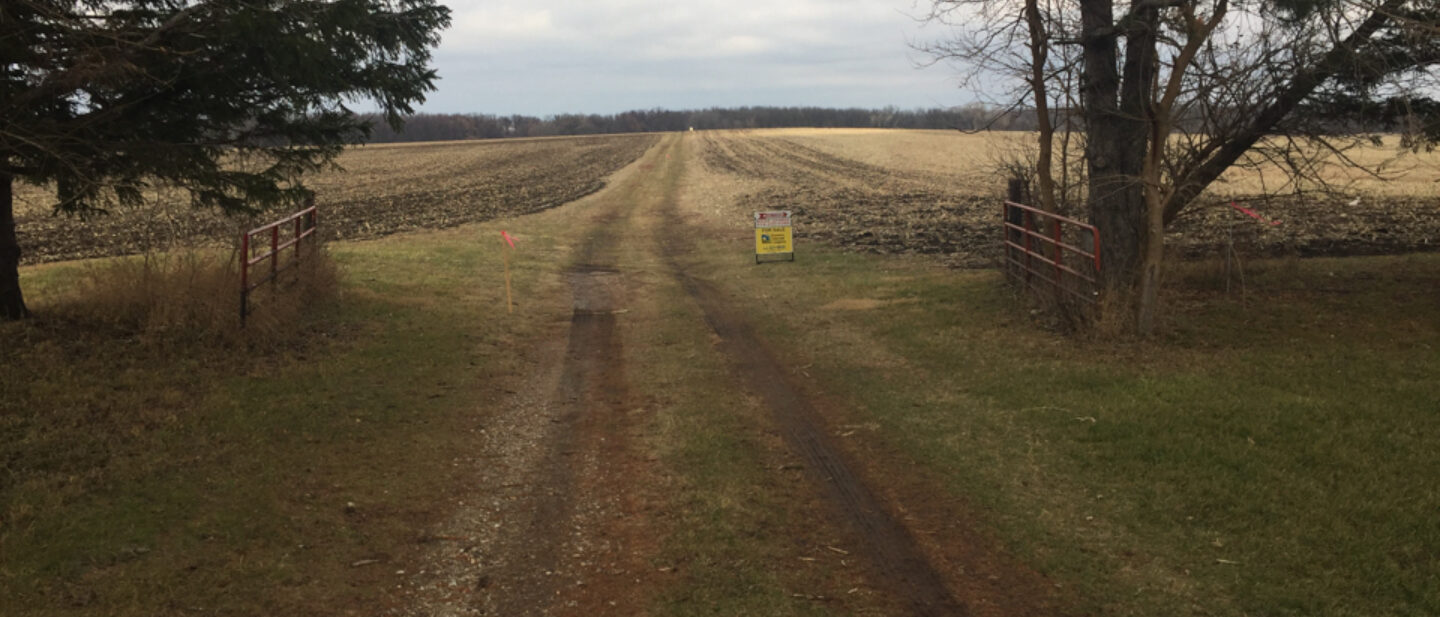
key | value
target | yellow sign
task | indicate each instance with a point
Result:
(773, 234)
(771, 240)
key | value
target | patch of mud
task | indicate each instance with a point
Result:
(597, 290)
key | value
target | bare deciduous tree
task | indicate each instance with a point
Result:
(1175, 92)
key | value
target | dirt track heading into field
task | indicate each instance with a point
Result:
(583, 533)
(894, 556)
(891, 548)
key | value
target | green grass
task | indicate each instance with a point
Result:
(729, 540)
(1271, 453)
(143, 480)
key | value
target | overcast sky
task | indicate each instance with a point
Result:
(543, 57)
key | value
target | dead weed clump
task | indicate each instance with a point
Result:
(191, 298)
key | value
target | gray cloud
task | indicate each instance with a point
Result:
(602, 56)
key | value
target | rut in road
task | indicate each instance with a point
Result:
(590, 404)
(890, 546)
(575, 537)
(560, 493)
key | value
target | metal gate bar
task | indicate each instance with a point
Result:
(305, 223)
(1039, 252)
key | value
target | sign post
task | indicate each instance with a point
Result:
(773, 234)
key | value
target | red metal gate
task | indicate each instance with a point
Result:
(299, 226)
(1051, 254)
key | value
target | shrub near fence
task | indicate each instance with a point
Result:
(298, 226)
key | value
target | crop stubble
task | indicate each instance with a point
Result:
(853, 203)
(379, 190)
(938, 192)
(876, 191)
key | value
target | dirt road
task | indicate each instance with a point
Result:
(572, 502)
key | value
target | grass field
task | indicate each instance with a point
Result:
(1268, 457)
(1270, 452)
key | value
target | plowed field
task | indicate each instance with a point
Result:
(379, 190)
(877, 191)
(850, 202)
(937, 192)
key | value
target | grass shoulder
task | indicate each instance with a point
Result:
(1262, 456)
(145, 470)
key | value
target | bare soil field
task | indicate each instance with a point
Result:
(850, 202)
(937, 192)
(881, 191)
(376, 191)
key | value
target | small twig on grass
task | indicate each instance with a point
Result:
(1045, 408)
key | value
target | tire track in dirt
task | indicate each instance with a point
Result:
(890, 547)
(558, 521)
(574, 535)
(591, 387)
(584, 554)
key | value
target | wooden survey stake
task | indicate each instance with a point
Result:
(509, 300)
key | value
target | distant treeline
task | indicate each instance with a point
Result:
(1332, 118)
(441, 127)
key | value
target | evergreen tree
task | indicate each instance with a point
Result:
(105, 98)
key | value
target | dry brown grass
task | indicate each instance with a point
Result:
(1400, 174)
(190, 298)
(951, 156)
(970, 157)
(148, 465)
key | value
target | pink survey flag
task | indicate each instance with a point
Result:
(507, 237)
(1253, 214)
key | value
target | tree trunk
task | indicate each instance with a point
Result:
(1148, 299)
(1114, 154)
(1039, 55)
(12, 302)
(1137, 99)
